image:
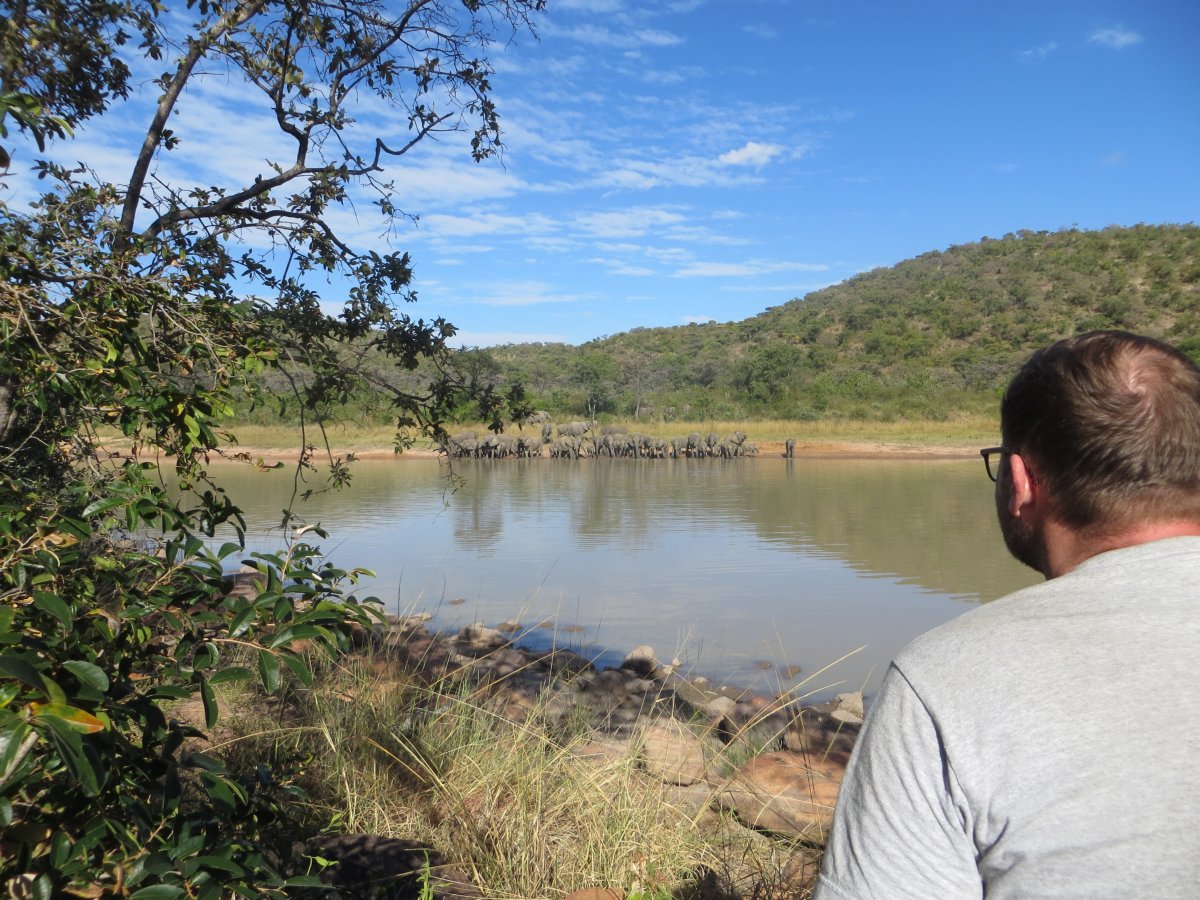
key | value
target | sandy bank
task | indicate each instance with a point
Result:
(766, 450)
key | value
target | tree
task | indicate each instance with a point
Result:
(596, 372)
(142, 308)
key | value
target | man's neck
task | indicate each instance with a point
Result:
(1066, 548)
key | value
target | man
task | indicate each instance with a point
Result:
(1048, 744)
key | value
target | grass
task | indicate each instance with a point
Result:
(508, 798)
(964, 432)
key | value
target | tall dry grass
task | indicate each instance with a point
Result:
(511, 799)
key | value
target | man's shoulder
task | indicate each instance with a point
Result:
(1118, 583)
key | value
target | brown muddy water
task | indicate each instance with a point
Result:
(764, 573)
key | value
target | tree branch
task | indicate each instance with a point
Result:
(196, 49)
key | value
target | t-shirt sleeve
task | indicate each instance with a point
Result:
(902, 827)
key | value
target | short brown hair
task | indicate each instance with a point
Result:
(1110, 422)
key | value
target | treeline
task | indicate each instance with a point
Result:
(928, 338)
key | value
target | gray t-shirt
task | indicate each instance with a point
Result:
(1043, 745)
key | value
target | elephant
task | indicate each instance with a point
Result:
(547, 432)
(460, 445)
(527, 448)
(575, 429)
(789, 448)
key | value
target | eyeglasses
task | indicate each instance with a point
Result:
(987, 453)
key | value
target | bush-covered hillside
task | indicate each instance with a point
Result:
(932, 335)
(928, 338)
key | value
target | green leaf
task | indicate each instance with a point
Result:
(88, 674)
(211, 711)
(268, 670)
(83, 722)
(206, 655)
(230, 674)
(70, 747)
(15, 743)
(294, 633)
(223, 790)
(103, 505)
(16, 666)
(212, 862)
(54, 605)
(299, 668)
(241, 622)
(158, 892)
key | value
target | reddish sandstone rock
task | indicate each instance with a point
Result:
(789, 793)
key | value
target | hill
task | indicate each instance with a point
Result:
(929, 337)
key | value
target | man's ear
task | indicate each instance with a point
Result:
(1025, 490)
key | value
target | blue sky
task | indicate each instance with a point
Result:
(672, 162)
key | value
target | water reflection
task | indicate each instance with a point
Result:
(724, 563)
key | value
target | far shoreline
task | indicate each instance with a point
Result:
(818, 449)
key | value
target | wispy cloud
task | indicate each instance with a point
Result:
(603, 36)
(758, 30)
(752, 154)
(441, 225)
(621, 267)
(1114, 159)
(1117, 37)
(1037, 54)
(627, 223)
(520, 293)
(743, 270)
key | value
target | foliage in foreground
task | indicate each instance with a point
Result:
(146, 307)
(506, 792)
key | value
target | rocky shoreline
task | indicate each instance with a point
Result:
(770, 764)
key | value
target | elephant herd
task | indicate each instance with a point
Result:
(583, 439)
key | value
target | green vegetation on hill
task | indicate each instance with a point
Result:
(931, 337)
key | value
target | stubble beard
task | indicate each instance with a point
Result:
(1021, 539)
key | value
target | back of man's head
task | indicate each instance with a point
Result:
(1110, 423)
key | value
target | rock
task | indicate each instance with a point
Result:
(596, 893)
(481, 638)
(719, 707)
(848, 708)
(603, 749)
(245, 582)
(672, 752)
(789, 793)
(641, 661)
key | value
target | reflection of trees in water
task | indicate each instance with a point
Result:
(618, 499)
(928, 523)
(932, 524)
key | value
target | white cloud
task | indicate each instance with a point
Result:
(441, 225)
(1117, 38)
(743, 270)
(1114, 159)
(759, 30)
(599, 35)
(627, 223)
(753, 154)
(1036, 54)
(621, 267)
(521, 293)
